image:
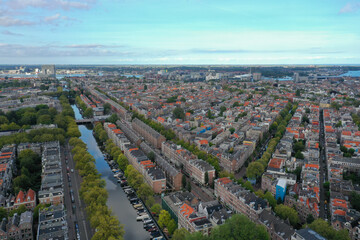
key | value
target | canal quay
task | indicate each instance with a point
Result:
(117, 200)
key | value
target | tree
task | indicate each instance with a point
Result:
(109, 228)
(180, 234)
(236, 104)
(19, 210)
(286, 212)
(338, 124)
(88, 113)
(299, 146)
(171, 226)
(107, 108)
(299, 155)
(44, 119)
(232, 130)
(305, 119)
(183, 181)
(324, 229)
(209, 114)
(206, 178)
(3, 120)
(3, 213)
(239, 227)
(164, 218)
(298, 93)
(145, 191)
(355, 200)
(310, 219)
(179, 113)
(122, 161)
(248, 186)
(156, 208)
(254, 170)
(271, 199)
(151, 156)
(222, 109)
(188, 186)
(351, 151)
(113, 118)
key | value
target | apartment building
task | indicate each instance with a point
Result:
(198, 168)
(177, 155)
(51, 190)
(155, 177)
(129, 132)
(174, 201)
(193, 221)
(7, 167)
(239, 199)
(18, 227)
(150, 135)
(173, 176)
(52, 223)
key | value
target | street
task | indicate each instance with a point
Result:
(79, 207)
(323, 167)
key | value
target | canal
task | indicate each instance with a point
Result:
(117, 199)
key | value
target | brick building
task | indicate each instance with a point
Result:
(239, 199)
(150, 135)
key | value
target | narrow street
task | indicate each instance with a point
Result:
(323, 167)
(76, 210)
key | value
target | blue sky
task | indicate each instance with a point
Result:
(179, 32)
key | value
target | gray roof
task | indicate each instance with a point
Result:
(26, 217)
(309, 234)
(276, 224)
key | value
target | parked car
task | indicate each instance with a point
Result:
(141, 218)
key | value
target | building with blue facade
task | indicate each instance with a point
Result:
(281, 189)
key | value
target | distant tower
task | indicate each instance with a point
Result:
(256, 76)
(48, 71)
(296, 77)
(252, 70)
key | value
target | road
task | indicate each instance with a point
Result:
(242, 171)
(79, 215)
(323, 167)
(201, 192)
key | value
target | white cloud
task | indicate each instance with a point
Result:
(350, 7)
(52, 18)
(50, 4)
(7, 21)
(6, 32)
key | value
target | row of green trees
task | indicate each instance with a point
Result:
(257, 168)
(65, 121)
(87, 111)
(94, 194)
(25, 117)
(36, 135)
(135, 178)
(165, 221)
(100, 132)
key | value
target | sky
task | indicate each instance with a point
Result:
(179, 32)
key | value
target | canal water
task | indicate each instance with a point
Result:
(117, 199)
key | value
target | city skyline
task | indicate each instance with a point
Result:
(181, 32)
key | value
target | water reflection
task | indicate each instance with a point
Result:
(117, 200)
